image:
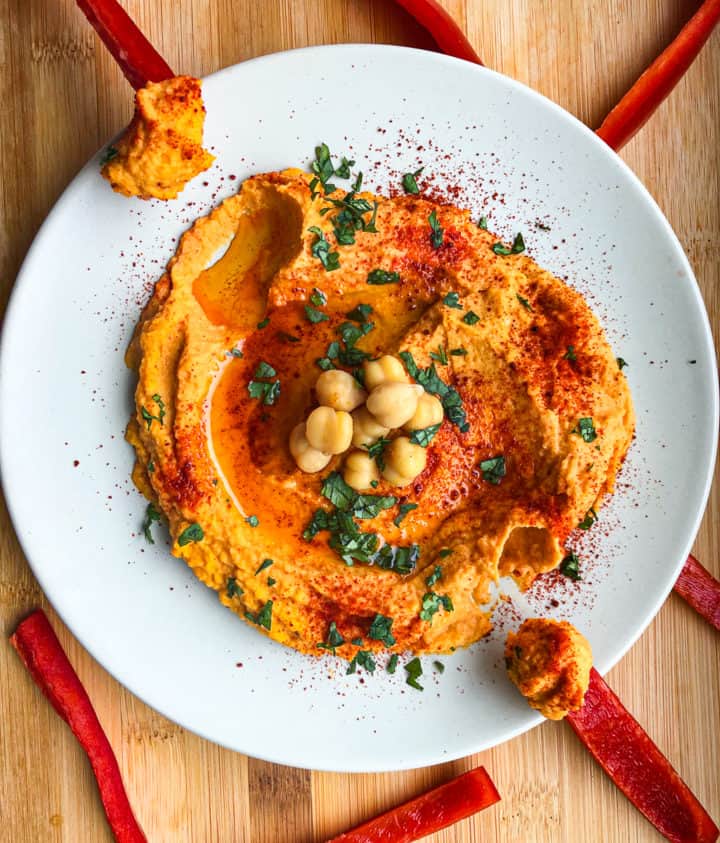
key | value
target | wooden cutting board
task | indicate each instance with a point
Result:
(62, 97)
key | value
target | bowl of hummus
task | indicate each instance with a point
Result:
(399, 370)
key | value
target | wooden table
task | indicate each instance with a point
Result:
(62, 97)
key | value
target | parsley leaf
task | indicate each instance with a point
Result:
(392, 663)
(268, 393)
(264, 370)
(333, 639)
(471, 318)
(266, 563)
(253, 520)
(108, 155)
(383, 276)
(323, 168)
(318, 298)
(493, 469)
(570, 354)
(621, 363)
(431, 604)
(517, 247)
(380, 630)
(458, 352)
(402, 559)
(337, 491)
(425, 436)
(192, 533)
(439, 666)
(409, 182)
(452, 300)
(445, 552)
(436, 231)
(363, 658)
(314, 315)
(436, 576)
(376, 450)
(586, 429)
(570, 566)
(431, 382)
(152, 514)
(524, 302)
(265, 322)
(414, 671)
(233, 589)
(589, 519)
(482, 223)
(321, 250)
(440, 356)
(149, 418)
(263, 617)
(360, 313)
(405, 508)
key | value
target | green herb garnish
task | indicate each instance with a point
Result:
(586, 429)
(414, 671)
(149, 418)
(265, 322)
(233, 589)
(570, 354)
(482, 223)
(363, 658)
(315, 315)
(383, 276)
(452, 300)
(524, 302)
(424, 436)
(252, 520)
(589, 519)
(318, 298)
(431, 382)
(392, 663)
(409, 182)
(445, 552)
(321, 250)
(267, 392)
(440, 356)
(458, 352)
(405, 508)
(471, 318)
(621, 363)
(439, 666)
(436, 576)
(493, 469)
(263, 617)
(266, 563)
(517, 247)
(380, 630)
(360, 313)
(192, 533)
(436, 231)
(332, 640)
(431, 604)
(152, 514)
(570, 567)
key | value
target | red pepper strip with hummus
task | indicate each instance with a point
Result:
(437, 809)
(40, 650)
(138, 59)
(440, 24)
(701, 590)
(627, 754)
(639, 103)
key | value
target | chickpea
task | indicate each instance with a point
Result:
(307, 458)
(403, 461)
(387, 369)
(429, 412)
(328, 430)
(339, 390)
(360, 470)
(393, 404)
(366, 428)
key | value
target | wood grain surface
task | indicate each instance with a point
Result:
(61, 97)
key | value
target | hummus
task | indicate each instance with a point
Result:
(161, 149)
(258, 292)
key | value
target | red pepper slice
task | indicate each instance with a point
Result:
(638, 104)
(434, 810)
(138, 59)
(701, 590)
(626, 753)
(439, 23)
(44, 657)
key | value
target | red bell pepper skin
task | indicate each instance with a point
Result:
(701, 590)
(434, 810)
(626, 753)
(40, 650)
(439, 23)
(639, 103)
(138, 59)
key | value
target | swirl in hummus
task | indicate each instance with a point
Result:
(542, 421)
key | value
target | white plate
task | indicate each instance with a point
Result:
(65, 395)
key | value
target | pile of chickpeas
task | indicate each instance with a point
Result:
(352, 419)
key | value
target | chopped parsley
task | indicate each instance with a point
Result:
(363, 658)
(233, 589)
(439, 666)
(285, 337)
(414, 671)
(358, 642)
(376, 450)
(570, 354)
(458, 352)
(392, 663)
(271, 582)
(192, 533)
(380, 630)
(524, 302)
(452, 300)
(517, 247)
(324, 169)
(401, 559)
(383, 276)
(436, 576)
(436, 231)
(570, 566)
(148, 417)
(252, 520)
(263, 617)
(321, 250)
(493, 469)
(152, 514)
(432, 603)
(333, 639)
(266, 392)
(151, 466)
(440, 356)
(266, 563)
(360, 313)
(409, 181)
(265, 322)
(405, 508)
(110, 153)
(235, 352)
(482, 223)
(586, 429)
(318, 298)
(315, 315)
(445, 552)
(431, 382)
(589, 519)
(471, 318)
(424, 436)
(621, 363)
